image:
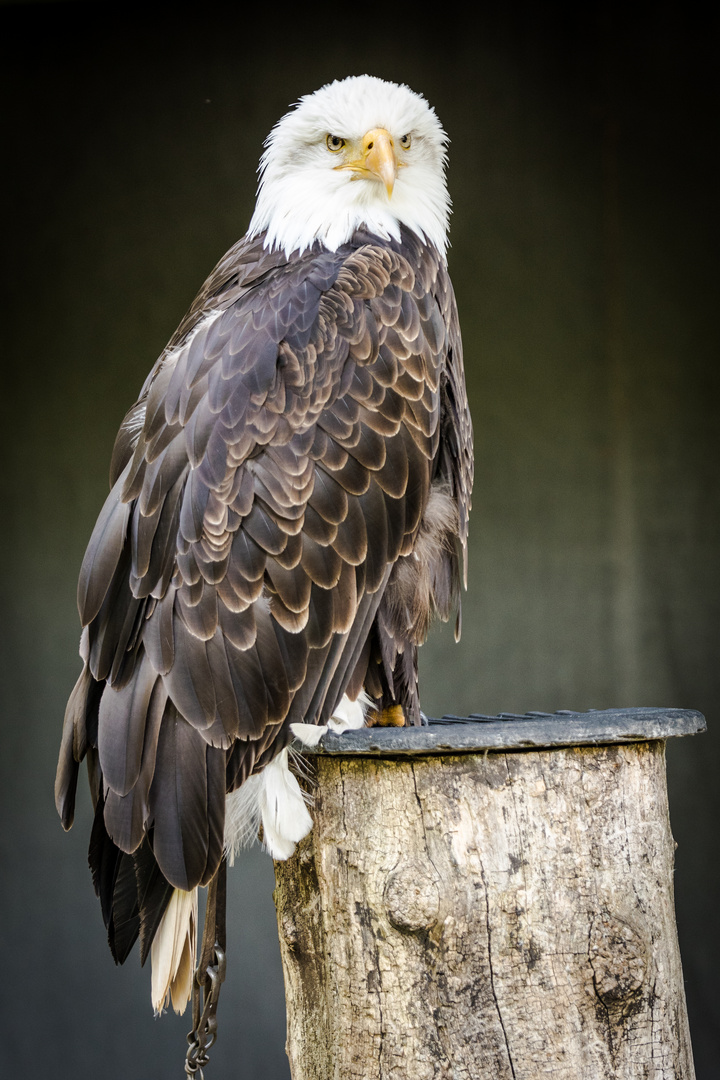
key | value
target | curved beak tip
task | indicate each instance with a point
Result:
(380, 158)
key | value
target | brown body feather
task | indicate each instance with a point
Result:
(289, 508)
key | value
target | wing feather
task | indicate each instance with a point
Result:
(127, 815)
(179, 805)
(271, 484)
(73, 747)
(103, 553)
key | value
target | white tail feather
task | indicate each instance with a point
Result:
(173, 952)
(350, 715)
(308, 734)
(285, 816)
(274, 796)
(242, 817)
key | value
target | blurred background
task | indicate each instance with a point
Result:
(584, 175)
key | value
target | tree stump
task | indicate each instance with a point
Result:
(488, 898)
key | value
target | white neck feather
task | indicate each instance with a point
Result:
(296, 211)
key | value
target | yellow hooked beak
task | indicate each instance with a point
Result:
(377, 158)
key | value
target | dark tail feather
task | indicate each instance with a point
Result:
(154, 893)
(132, 890)
(104, 859)
(125, 922)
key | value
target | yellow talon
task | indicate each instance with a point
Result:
(390, 717)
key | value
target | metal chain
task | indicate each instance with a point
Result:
(204, 1032)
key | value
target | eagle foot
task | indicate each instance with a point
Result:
(393, 716)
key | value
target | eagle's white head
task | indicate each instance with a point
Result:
(357, 152)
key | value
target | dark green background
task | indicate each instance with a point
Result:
(584, 175)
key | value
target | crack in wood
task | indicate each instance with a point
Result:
(491, 973)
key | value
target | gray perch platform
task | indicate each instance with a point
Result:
(488, 898)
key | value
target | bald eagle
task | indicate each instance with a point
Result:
(288, 510)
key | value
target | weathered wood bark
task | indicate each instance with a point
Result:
(499, 915)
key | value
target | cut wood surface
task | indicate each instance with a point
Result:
(504, 915)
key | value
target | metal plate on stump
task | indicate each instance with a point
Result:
(511, 731)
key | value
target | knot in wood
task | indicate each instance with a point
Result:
(289, 929)
(618, 957)
(412, 897)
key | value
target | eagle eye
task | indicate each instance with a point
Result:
(406, 141)
(334, 143)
